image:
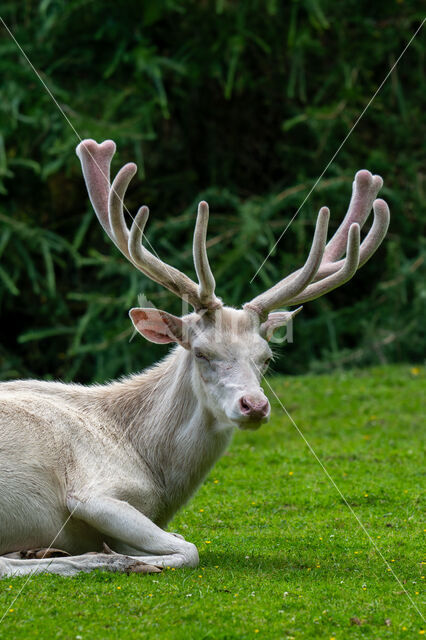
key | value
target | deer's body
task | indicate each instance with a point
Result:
(147, 440)
(80, 466)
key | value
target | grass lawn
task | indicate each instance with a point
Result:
(281, 554)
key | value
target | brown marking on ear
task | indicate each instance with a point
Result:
(154, 336)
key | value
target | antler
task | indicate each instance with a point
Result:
(107, 201)
(323, 270)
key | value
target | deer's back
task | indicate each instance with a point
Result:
(38, 430)
(36, 418)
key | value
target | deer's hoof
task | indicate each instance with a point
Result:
(177, 535)
(142, 567)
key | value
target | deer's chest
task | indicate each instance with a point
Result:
(192, 456)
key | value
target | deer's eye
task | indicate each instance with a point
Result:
(201, 356)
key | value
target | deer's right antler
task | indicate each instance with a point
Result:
(107, 201)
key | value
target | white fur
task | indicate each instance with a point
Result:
(114, 462)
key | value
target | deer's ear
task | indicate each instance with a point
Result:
(160, 327)
(275, 321)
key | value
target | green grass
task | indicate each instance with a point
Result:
(281, 554)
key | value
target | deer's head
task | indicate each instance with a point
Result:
(229, 348)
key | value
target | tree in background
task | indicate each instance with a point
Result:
(241, 104)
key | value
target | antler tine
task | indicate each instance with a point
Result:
(370, 244)
(345, 273)
(115, 207)
(166, 275)
(95, 161)
(378, 231)
(287, 289)
(365, 188)
(205, 276)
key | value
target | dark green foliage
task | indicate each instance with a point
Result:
(243, 104)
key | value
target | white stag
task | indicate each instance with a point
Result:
(112, 463)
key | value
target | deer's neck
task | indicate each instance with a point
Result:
(168, 423)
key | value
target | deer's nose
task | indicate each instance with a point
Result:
(255, 408)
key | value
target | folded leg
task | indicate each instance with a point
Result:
(71, 565)
(118, 519)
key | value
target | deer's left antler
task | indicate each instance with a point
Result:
(324, 271)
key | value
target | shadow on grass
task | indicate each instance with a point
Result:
(256, 562)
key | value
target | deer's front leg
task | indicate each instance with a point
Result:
(123, 522)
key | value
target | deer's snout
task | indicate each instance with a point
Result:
(254, 408)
